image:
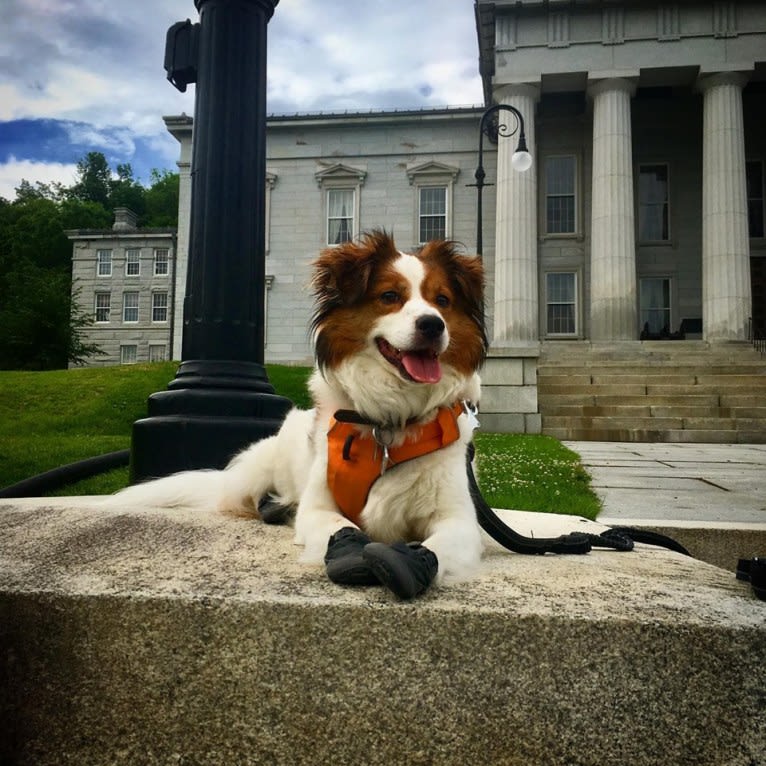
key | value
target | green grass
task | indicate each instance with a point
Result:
(48, 419)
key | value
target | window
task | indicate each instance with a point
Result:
(561, 303)
(132, 263)
(433, 183)
(104, 263)
(754, 175)
(341, 194)
(655, 306)
(130, 307)
(560, 198)
(157, 352)
(432, 213)
(340, 216)
(161, 262)
(653, 203)
(128, 354)
(103, 306)
(159, 307)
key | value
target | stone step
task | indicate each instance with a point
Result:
(649, 436)
(586, 398)
(655, 411)
(148, 636)
(631, 368)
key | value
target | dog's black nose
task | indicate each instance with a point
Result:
(429, 326)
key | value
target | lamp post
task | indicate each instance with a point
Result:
(221, 399)
(492, 127)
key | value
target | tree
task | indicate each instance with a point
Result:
(41, 322)
(94, 180)
(162, 199)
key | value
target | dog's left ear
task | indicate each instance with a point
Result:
(466, 273)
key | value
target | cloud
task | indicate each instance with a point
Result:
(96, 68)
(13, 171)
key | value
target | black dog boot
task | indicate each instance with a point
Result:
(406, 569)
(344, 561)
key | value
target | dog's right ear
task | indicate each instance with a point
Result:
(342, 274)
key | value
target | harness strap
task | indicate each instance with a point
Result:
(355, 460)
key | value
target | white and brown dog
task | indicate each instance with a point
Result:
(381, 459)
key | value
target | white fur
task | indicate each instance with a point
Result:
(426, 499)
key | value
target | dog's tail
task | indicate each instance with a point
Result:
(190, 489)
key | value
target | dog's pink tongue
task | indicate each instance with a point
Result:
(422, 368)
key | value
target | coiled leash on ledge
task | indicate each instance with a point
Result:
(616, 538)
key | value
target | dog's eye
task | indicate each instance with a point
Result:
(390, 297)
(442, 301)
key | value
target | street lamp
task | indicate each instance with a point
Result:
(221, 399)
(492, 127)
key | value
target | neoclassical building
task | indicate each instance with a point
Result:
(641, 219)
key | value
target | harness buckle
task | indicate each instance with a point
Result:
(383, 438)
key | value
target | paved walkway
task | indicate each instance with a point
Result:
(687, 482)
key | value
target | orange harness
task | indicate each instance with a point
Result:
(356, 461)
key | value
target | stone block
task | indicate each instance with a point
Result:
(171, 637)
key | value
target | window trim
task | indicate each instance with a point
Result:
(576, 194)
(123, 348)
(577, 333)
(166, 307)
(125, 306)
(128, 262)
(96, 307)
(340, 176)
(433, 174)
(671, 309)
(445, 215)
(167, 262)
(99, 263)
(639, 207)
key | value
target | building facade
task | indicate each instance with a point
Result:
(642, 216)
(126, 277)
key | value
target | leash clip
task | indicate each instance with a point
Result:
(383, 438)
(471, 411)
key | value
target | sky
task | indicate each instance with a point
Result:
(88, 75)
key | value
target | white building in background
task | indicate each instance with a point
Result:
(642, 216)
(126, 277)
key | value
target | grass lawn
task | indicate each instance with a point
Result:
(48, 419)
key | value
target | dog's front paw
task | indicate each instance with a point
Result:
(407, 570)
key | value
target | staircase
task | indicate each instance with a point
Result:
(653, 391)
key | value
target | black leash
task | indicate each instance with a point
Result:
(617, 538)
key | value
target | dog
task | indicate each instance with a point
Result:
(376, 472)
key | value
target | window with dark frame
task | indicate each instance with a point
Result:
(755, 216)
(560, 195)
(653, 218)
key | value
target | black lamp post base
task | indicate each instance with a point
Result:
(212, 411)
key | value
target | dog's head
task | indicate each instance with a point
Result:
(413, 318)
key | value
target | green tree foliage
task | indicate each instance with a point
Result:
(162, 200)
(41, 323)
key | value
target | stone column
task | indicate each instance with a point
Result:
(726, 298)
(613, 303)
(516, 291)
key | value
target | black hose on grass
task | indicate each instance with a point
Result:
(67, 474)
